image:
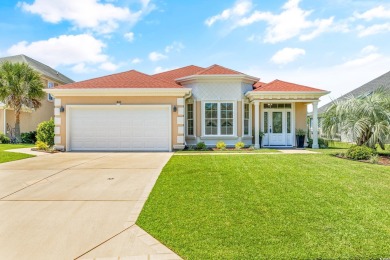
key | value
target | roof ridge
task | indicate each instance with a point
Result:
(217, 65)
(156, 74)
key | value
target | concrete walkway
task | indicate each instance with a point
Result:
(27, 151)
(78, 206)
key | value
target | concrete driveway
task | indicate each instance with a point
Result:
(78, 205)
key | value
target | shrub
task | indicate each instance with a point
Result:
(239, 145)
(322, 143)
(221, 145)
(374, 159)
(42, 145)
(45, 132)
(29, 137)
(356, 152)
(251, 148)
(201, 146)
(4, 139)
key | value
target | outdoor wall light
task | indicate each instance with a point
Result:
(174, 108)
(62, 109)
(118, 103)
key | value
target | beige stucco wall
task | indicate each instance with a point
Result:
(107, 100)
(300, 116)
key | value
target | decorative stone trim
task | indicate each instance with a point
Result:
(180, 129)
(180, 111)
(57, 130)
(57, 140)
(180, 120)
(57, 102)
(57, 121)
(56, 111)
(178, 146)
(180, 102)
(180, 139)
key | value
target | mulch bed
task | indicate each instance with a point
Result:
(382, 159)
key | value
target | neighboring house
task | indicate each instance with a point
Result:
(133, 111)
(382, 81)
(30, 119)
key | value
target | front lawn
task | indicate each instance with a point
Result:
(9, 156)
(301, 206)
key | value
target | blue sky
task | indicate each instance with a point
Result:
(336, 45)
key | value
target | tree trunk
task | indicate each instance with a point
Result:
(17, 125)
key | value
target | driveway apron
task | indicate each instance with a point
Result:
(78, 205)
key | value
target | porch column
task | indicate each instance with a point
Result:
(257, 124)
(315, 125)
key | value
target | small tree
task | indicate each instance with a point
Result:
(20, 86)
(365, 118)
(45, 132)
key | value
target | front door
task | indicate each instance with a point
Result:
(277, 127)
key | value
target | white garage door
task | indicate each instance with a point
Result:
(119, 128)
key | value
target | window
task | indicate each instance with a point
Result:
(246, 119)
(266, 122)
(219, 118)
(289, 122)
(279, 106)
(49, 96)
(190, 119)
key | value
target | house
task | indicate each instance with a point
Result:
(382, 81)
(30, 119)
(133, 111)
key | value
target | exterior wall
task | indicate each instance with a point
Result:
(60, 118)
(219, 90)
(300, 116)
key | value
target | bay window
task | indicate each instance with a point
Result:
(218, 118)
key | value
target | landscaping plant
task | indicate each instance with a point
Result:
(45, 132)
(360, 152)
(20, 87)
(221, 145)
(4, 139)
(239, 145)
(201, 146)
(364, 118)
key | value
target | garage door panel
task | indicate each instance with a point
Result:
(138, 128)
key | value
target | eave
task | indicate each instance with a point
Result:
(224, 77)
(297, 96)
(138, 92)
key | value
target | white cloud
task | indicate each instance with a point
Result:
(379, 12)
(287, 55)
(136, 61)
(254, 38)
(369, 49)
(109, 66)
(161, 69)
(63, 50)
(86, 14)
(239, 9)
(291, 22)
(373, 29)
(129, 36)
(361, 61)
(81, 68)
(156, 56)
(175, 46)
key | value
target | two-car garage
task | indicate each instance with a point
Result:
(118, 128)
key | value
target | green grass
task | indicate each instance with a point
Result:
(262, 150)
(299, 206)
(9, 156)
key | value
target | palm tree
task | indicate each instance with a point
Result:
(366, 118)
(20, 87)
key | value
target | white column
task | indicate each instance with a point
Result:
(315, 125)
(257, 124)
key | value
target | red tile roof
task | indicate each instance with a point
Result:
(218, 70)
(171, 75)
(278, 85)
(259, 84)
(128, 79)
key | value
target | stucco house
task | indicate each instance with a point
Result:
(30, 119)
(133, 111)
